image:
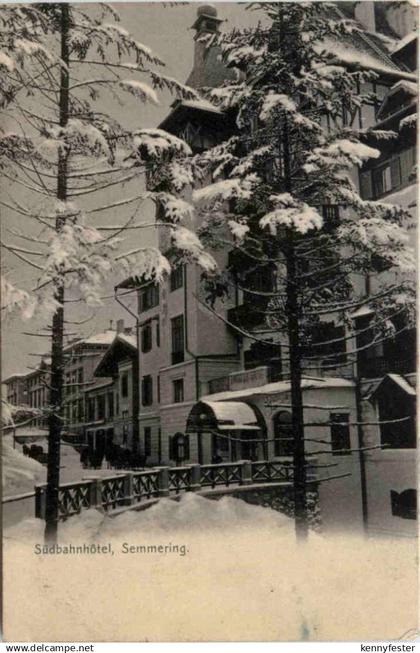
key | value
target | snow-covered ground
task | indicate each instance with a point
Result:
(230, 571)
(20, 473)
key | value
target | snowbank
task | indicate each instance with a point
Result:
(227, 571)
(20, 473)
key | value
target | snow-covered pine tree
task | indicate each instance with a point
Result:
(62, 159)
(283, 198)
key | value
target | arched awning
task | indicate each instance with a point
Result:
(222, 416)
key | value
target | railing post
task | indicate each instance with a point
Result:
(95, 492)
(246, 472)
(195, 478)
(40, 501)
(163, 481)
(128, 489)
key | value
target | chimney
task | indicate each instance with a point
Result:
(120, 326)
(206, 23)
(364, 12)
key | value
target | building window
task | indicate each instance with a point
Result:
(177, 324)
(158, 332)
(110, 404)
(404, 504)
(340, 434)
(125, 426)
(147, 390)
(177, 277)
(91, 409)
(283, 434)
(146, 338)
(386, 177)
(178, 391)
(68, 389)
(80, 375)
(124, 385)
(80, 409)
(158, 389)
(331, 215)
(159, 445)
(148, 298)
(100, 407)
(147, 441)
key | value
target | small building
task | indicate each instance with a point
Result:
(16, 389)
(113, 406)
(254, 423)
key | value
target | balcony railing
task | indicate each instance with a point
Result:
(376, 367)
(130, 488)
(251, 378)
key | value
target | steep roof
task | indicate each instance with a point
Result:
(123, 346)
(365, 49)
(103, 338)
(14, 377)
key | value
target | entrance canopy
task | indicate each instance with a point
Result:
(222, 416)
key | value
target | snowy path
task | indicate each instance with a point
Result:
(242, 577)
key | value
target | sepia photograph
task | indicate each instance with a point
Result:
(208, 321)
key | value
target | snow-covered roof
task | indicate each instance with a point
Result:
(404, 84)
(107, 366)
(404, 41)
(409, 121)
(30, 432)
(349, 53)
(398, 380)
(403, 383)
(131, 340)
(278, 387)
(202, 104)
(104, 338)
(362, 311)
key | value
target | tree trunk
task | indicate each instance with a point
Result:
(295, 359)
(57, 358)
(299, 468)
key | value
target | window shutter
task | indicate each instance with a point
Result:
(366, 185)
(395, 172)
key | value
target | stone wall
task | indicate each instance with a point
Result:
(276, 498)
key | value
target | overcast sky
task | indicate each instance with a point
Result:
(167, 30)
